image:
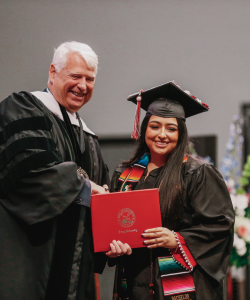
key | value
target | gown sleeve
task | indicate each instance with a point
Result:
(210, 237)
(183, 255)
(35, 183)
(44, 193)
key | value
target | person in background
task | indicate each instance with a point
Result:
(187, 257)
(50, 165)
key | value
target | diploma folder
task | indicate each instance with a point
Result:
(123, 217)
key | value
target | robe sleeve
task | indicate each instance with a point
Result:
(183, 255)
(210, 237)
(44, 193)
(84, 198)
(35, 183)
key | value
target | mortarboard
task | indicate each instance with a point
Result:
(168, 101)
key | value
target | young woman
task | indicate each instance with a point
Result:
(187, 257)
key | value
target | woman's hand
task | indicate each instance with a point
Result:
(159, 237)
(117, 248)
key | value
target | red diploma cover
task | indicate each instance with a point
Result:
(123, 217)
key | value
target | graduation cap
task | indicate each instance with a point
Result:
(168, 101)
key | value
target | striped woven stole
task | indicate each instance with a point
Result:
(129, 178)
(177, 282)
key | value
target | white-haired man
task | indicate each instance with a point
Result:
(50, 163)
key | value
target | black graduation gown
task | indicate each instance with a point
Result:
(206, 224)
(46, 239)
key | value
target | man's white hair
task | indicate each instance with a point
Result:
(61, 55)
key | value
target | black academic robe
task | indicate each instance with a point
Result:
(206, 223)
(45, 237)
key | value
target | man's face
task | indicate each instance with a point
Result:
(73, 85)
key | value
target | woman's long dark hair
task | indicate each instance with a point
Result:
(170, 179)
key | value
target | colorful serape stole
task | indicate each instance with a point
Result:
(129, 178)
(185, 159)
(177, 282)
(132, 175)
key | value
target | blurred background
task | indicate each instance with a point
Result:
(203, 45)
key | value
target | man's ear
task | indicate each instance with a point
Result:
(52, 72)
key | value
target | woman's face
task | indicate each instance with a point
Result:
(161, 135)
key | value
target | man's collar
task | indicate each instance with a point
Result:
(50, 102)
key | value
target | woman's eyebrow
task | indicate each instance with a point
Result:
(161, 123)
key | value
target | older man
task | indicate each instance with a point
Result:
(50, 163)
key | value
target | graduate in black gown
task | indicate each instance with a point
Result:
(187, 257)
(50, 163)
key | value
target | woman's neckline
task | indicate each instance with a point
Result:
(153, 172)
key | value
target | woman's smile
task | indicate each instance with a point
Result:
(161, 144)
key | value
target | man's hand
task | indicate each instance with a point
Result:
(97, 189)
(117, 248)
